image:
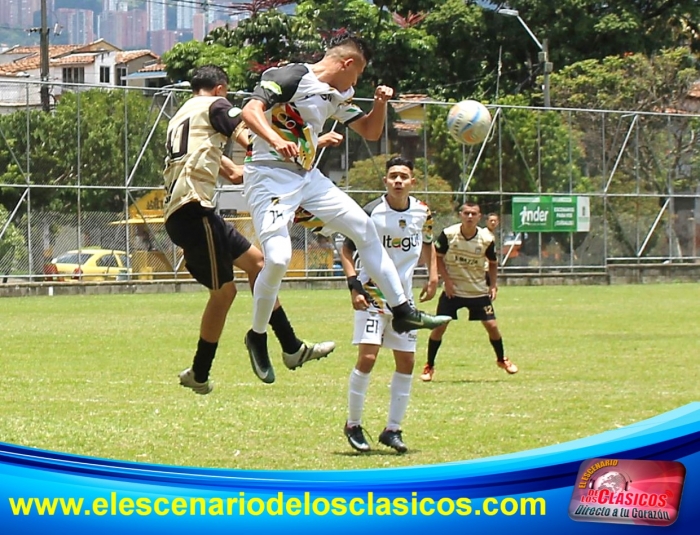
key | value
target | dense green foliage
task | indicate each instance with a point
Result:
(93, 138)
(626, 55)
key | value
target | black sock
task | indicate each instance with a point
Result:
(433, 346)
(498, 348)
(284, 332)
(402, 310)
(203, 359)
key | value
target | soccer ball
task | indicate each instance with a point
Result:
(468, 122)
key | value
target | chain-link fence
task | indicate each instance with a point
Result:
(80, 186)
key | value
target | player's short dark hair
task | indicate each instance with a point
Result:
(350, 39)
(469, 204)
(398, 160)
(492, 214)
(207, 77)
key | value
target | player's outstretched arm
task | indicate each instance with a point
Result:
(371, 125)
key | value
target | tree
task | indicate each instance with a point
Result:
(459, 65)
(11, 243)
(183, 58)
(659, 155)
(93, 137)
(512, 162)
(366, 176)
(637, 83)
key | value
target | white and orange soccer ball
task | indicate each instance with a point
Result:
(468, 122)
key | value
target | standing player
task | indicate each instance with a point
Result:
(286, 114)
(406, 228)
(492, 222)
(197, 135)
(462, 250)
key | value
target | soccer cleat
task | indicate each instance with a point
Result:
(356, 437)
(428, 372)
(306, 353)
(259, 357)
(507, 365)
(187, 380)
(393, 440)
(418, 320)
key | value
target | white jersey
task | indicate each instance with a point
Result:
(298, 105)
(403, 233)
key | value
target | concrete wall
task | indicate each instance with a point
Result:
(621, 274)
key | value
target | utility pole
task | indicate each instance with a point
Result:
(543, 54)
(547, 67)
(44, 46)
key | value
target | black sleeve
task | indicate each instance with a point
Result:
(224, 117)
(491, 252)
(279, 84)
(441, 244)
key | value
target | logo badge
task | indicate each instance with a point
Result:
(625, 491)
(402, 223)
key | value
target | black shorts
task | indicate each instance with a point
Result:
(480, 308)
(210, 244)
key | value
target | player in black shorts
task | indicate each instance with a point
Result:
(196, 137)
(462, 252)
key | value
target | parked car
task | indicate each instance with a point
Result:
(90, 264)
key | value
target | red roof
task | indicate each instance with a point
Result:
(126, 57)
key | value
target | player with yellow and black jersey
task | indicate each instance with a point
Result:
(462, 251)
(196, 138)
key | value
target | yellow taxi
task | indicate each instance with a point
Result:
(90, 264)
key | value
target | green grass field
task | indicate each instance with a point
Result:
(97, 375)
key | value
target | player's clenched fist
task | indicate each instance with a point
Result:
(383, 93)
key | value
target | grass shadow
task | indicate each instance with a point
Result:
(468, 381)
(370, 453)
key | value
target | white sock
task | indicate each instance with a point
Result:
(357, 390)
(278, 253)
(400, 394)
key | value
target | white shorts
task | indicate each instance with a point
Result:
(375, 329)
(273, 194)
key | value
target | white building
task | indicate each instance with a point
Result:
(70, 67)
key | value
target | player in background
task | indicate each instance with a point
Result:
(405, 226)
(492, 222)
(196, 137)
(286, 114)
(462, 251)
